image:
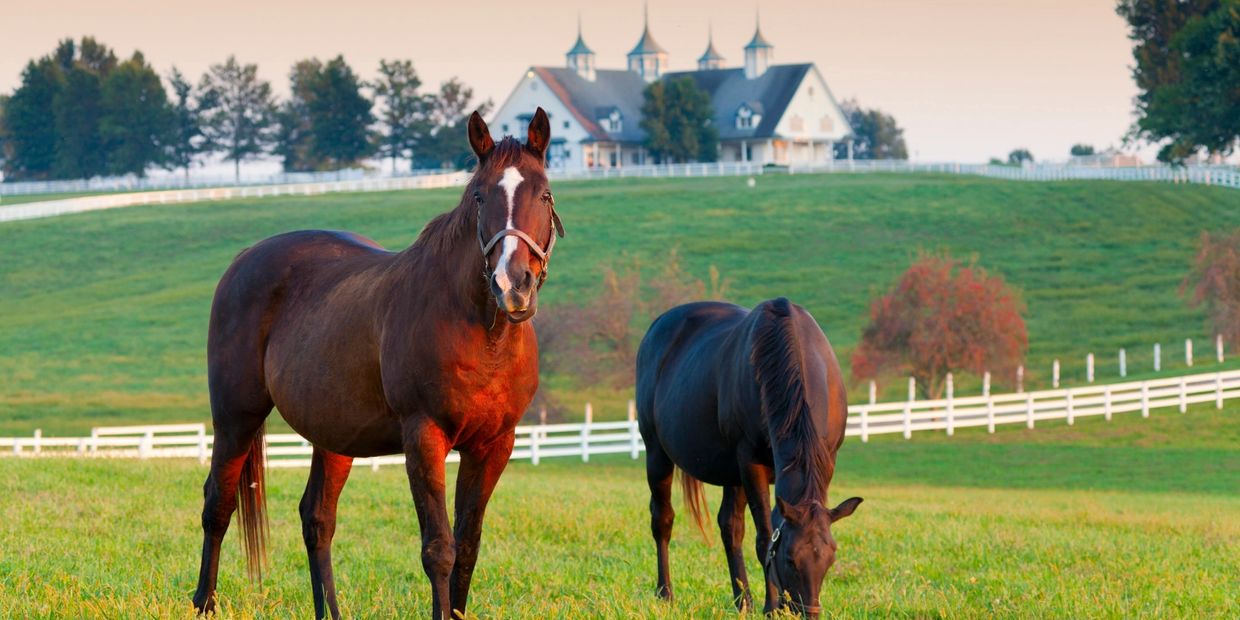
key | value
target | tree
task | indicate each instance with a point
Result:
(440, 136)
(1018, 157)
(403, 108)
(5, 145)
(677, 118)
(78, 109)
(1081, 150)
(238, 111)
(137, 122)
(940, 317)
(295, 130)
(1214, 281)
(30, 123)
(1186, 55)
(185, 140)
(340, 115)
(876, 135)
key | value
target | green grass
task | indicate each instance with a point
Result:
(105, 313)
(1132, 518)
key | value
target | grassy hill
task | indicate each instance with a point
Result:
(1132, 518)
(103, 315)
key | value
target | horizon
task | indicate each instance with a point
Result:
(980, 81)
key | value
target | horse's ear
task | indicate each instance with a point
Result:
(792, 514)
(845, 508)
(555, 220)
(479, 136)
(539, 134)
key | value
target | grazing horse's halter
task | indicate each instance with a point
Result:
(544, 256)
(768, 566)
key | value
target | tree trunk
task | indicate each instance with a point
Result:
(237, 171)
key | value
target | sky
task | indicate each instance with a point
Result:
(967, 79)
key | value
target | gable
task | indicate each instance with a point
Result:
(532, 92)
(812, 112)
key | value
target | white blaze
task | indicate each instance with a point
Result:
(512, 178)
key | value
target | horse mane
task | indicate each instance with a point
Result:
(439, 234)
(777, 360)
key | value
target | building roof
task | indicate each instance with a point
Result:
(580, 47)
(610, 89)
(711, 53)
(758, 41)
(768, 94)
(647, 45)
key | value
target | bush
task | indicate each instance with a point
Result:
(1215, 282)
(940, 317)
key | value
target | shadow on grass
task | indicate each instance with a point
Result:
(1069, 467)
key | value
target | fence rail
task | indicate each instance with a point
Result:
(583, 440)
(289, 186)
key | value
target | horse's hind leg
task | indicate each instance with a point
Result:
(732, 531)
(659, 471)
(328, 473)
(238, 419)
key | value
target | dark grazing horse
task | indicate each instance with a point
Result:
(743, 399)
(367, 352)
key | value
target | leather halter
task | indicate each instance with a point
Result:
(544, 256)
(768, 565)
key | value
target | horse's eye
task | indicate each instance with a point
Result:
(548, 198)
(478, 197)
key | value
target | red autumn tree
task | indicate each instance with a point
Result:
(942, 316)
(1215, 282)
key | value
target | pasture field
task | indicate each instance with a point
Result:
(1128, 519)
(105, 313)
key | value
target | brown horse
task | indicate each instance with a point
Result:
(743, 399)
(367, 352)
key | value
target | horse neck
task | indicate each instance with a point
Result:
(445, 264)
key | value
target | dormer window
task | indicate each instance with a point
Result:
(748, 116)
(611, 120)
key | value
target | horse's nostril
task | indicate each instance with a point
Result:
(527, 280)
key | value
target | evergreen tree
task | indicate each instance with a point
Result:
(30, 124)
(185, 140)
(295, 133)
(340, 116)
(677, 117)
(403, 108)
(238, 111)
(137, 122)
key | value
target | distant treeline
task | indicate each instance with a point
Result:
(81, 112)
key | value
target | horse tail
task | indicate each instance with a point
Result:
(695, 501)
(252, 506)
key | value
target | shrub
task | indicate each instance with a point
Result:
(1215, 282)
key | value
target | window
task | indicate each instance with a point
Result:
(566, 124)
(796, 124)
(825, 124)
(505, 127)
(613, 122)
(635, 158)
(613, 159)
(747, 117)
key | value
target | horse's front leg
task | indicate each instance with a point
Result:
(426, 447)
(756, 480)
(480, 471)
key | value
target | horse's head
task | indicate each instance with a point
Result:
(802, 549)
(517, 222)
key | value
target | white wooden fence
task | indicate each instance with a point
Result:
(583, 440)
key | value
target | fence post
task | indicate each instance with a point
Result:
(1183, 394)
(202, 445)
(1055, 375)
(1106, 402)
(1070, 418)
(1145, 399)
(1028, 410)
(1218, 390)
(94, 440)
(585, 434)
(535, 434)
(986, 384)
(633, 430)
(873, 392)
(1218, 347)
(1089, 368)
(1188, 352)
(908, 408)
(1123, 363)
(1157, 357)
(144, 447)
(38, 441)
(951, 411)
(1020, 378)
